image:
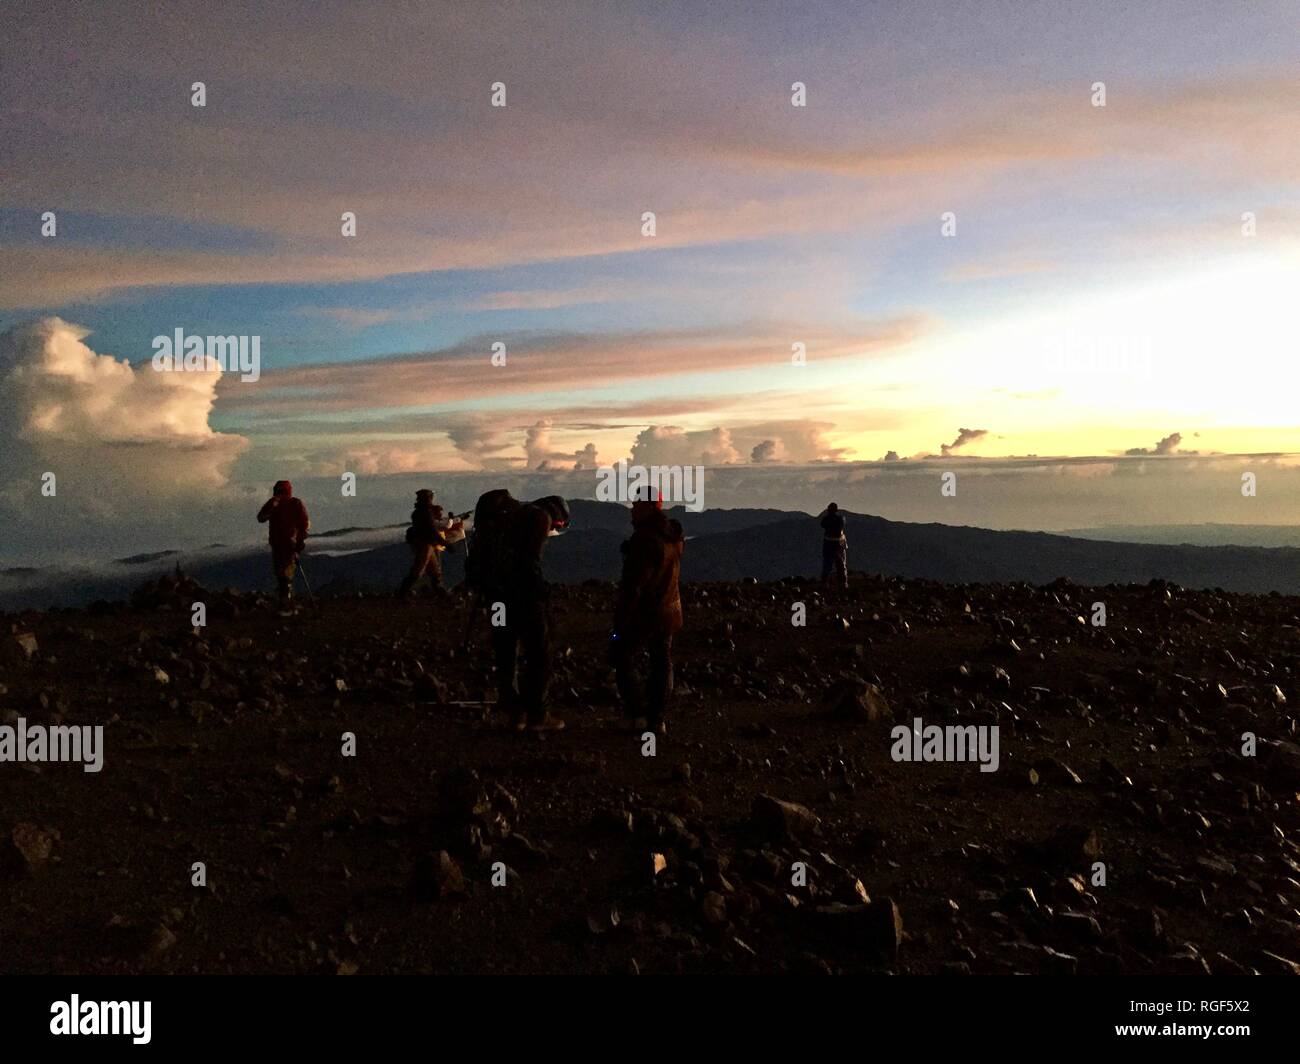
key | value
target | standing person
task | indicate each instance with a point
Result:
(835, 548)
(425, 538)
(287, 521)
(648, 612)
(509, 537)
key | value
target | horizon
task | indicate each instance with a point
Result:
(852, 247)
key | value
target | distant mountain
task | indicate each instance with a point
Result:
(723, 545)
(977, 555)
(1203, 535)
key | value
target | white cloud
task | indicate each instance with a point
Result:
(117, 432)
(537, 444)
(672, 445)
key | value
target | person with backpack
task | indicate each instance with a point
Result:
(288, 524)
(504, 567)
(648, 612)
(835, 548)
(426, 538)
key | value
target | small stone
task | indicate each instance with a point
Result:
(439, 876)
(1080, 925)
(163, 939)
(612, 821)
(1052, 771)
(27, 848)
(855, 699)
(785, 820)
(876, 927)
(714, 908)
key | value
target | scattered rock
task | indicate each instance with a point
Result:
(876, 927)
(783, 820)
(27, 849)
(438, 876)
(856, 699)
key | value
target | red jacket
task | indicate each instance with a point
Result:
(648, 597)
(288, 521)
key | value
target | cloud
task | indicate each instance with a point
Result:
(537, 444)
(964, 436)
(116, 432)
(672, 445)
(727, 163)
(478, 439)
(1168, 445)
(794, 440)
(546, 362)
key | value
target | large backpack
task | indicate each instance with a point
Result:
(487, 546)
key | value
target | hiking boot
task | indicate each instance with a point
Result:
(545, 723)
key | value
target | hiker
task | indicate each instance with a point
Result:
(835, 548)
(648, 613)
(504, 566)
(288, 524)
(426, 537)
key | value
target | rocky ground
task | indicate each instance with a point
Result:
(1124, 830)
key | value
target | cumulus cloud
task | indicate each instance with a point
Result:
(795, 440)
(373, 461)
(478, 439)
(673, 445)
(537, 444)
(1167, 445)
(114, 432)
(964, 436)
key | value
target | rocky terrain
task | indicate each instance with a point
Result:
(1123, 831)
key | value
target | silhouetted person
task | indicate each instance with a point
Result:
(507, 570)
(288, 524)
(835, 548)
(648, 612)
(425, 538)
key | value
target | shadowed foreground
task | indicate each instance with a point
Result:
(1118, 745)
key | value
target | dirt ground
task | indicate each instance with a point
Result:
(1123, 831)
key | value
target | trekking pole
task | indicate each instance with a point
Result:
(305, 582)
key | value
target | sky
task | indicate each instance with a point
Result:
(1054, 247)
